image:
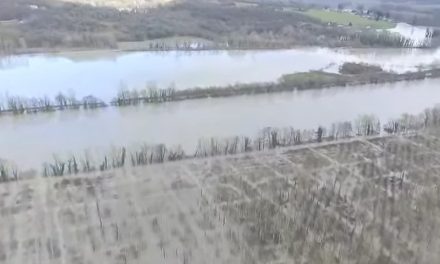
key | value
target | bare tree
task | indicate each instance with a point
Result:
(319, 134)
(61, 100)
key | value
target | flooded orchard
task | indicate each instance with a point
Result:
(184, 123)
(314, 203)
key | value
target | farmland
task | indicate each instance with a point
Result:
(121, 4)
(361, 200)
(344, 18)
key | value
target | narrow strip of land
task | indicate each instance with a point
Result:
(352, 75)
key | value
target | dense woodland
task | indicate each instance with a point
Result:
(27, 24)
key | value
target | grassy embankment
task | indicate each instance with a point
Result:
(344, 18)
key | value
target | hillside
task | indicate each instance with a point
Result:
(47, 25)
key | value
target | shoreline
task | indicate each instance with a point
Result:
(270, 138)
(277, 87)
(67, 50)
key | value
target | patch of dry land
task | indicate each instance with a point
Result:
(369, 200)
(121, 4)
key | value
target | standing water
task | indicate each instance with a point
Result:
(419, 36)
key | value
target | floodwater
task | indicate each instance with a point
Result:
(414, 33)
(103, 73)
(30, 140)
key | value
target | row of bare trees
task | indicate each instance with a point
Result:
(23, 105)
(267, 138)
(117, 158)
(152, 94)
(149, 95)
(270, 138)
(429, 118)
(290, 82)
(8, 172)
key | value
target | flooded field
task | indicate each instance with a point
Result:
(103, 73)
(184, 123)
(367, 200)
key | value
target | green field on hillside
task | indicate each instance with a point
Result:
(343, 18)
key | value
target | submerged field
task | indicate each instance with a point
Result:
(365, 200)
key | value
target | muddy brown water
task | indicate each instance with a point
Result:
(30, 140)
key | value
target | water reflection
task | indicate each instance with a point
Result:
(101, 73)
(11, 62)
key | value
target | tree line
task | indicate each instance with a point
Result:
(23, 105)
(266, 139)
(149, 95)
(352, 74)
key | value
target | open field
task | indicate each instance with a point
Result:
(344, 18)
(364, 200)
(121, 4)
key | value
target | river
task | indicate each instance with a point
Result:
(30, 140)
